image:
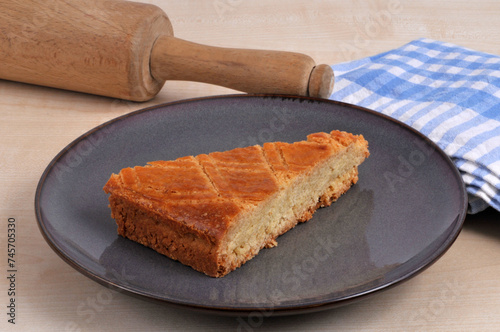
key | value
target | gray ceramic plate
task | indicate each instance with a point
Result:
(404, 213)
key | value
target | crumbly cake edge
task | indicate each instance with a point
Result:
(201, 254)
(329, 193)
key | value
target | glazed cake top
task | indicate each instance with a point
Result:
(205, 193)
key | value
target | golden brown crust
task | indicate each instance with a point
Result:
(241, 174)
(171, 239)
(183, 208)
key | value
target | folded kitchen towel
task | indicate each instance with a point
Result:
(449, 93)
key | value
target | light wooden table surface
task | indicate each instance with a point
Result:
(460, 292)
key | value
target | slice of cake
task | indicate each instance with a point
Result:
(215, 212)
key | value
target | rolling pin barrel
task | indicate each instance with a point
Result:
(97, 47)
(126, 50)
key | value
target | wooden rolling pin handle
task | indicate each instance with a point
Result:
(321, 81)
(252, 71)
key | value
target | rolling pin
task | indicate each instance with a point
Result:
(127, 50)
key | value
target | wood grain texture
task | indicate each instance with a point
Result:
(127, 50)
(251, 71)
(101, 47)
(458, 293)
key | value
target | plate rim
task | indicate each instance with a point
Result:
(227, 310)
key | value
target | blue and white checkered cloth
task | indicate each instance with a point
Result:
(449, 93)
